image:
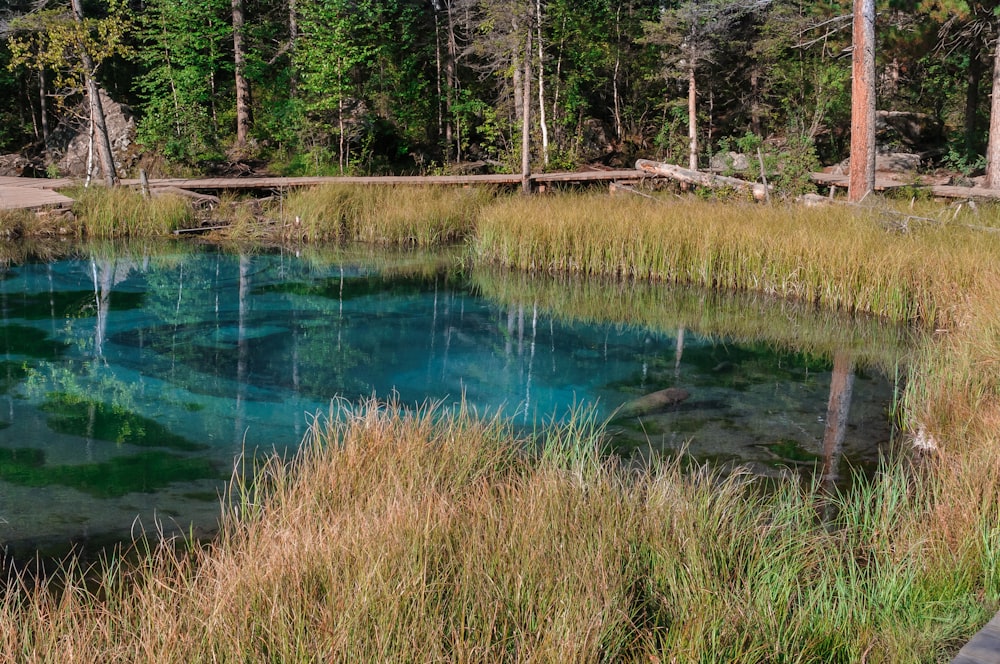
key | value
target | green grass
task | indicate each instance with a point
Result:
(384, 215)
(124, 213)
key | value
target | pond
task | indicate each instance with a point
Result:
(133, 380)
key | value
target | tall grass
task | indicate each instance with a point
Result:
(835, 257)
(120, 212)
(427, 535)
(386, 215)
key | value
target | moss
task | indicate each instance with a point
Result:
(145, 472)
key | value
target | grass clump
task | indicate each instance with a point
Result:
(428, 535)
(120, 212)
(385, 215)
(837, 257)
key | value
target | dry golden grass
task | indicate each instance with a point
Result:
(385, 215)
(837, 257)
(433, 536)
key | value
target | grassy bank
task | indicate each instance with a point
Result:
(839, 257)
(429, 536)
(432, 536)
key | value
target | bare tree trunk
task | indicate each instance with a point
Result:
(293, 43)
(451, 85)
(43, 111)
(862, 174)
(242, 86)
(437, 71)
(993, 147)
(96, 108)
(616, 94)
(975, 75)
(526, 119)
(692, 120)
(541, 85)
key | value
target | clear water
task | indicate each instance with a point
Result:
(130, 385)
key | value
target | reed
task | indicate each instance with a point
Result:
(120, 212)
(384, 215)
(433, 535)
(836, 257)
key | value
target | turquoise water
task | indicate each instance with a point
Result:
(130, 385)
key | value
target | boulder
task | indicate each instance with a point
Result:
(889, 162)
(69, 143)
(915, 132)
(734, 161)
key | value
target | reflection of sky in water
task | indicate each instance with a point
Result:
(130, 386)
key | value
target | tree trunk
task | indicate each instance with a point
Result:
(43, 111)
(541, 85)
(526, 119)
(242, 86)
(96, 108)
(692, 120)
(971, 120)
(452, 132)
(690, 176)
(993, 147)
(862, 175)
(293, 42)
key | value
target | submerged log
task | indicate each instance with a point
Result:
(686, 175)
(653, 402)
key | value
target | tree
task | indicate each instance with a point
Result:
(240, 77)
(862, 174)
(691, 33)
(183, 47)
(75, 47)
(502, 32)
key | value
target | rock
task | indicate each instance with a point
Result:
(734, 161)
(16, 165)
(889, 162)
(70, 141)
(595, 144)
(916, 132)
(653, 402)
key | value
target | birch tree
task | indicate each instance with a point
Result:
(63, 40)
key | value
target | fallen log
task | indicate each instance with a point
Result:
(686, 175)
(653, 402)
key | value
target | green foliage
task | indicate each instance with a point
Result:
(183, 46)
(51, 39)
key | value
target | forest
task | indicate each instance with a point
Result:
(324, 87)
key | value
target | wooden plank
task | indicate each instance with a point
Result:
(984, 647)
(940, 190)
(27, 198)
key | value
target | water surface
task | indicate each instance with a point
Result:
(132, 382)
